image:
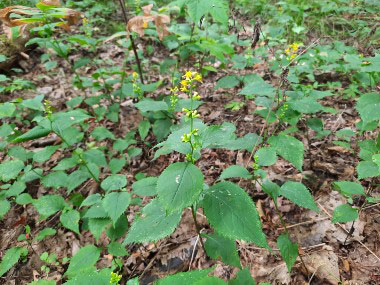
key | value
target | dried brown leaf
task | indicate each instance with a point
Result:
(51, 2)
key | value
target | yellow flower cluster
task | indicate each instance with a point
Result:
(292, 51)
(135, 85)
(189, 79)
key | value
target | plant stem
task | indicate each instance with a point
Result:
(132, 42)
(197, 227)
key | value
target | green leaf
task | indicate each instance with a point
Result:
(344, 213)
(235, 171)
(179, 185)
(5, 206)
(289, 148)
(100, 133)
(298, 194)
(115, 204)
(145, 187)
(288, 250)
(146, 105)
(154, 224)
(258, 87)
(220, 247)
(243, 277)
(35, 133)
(24, 199)
(10, 169)
(70, 220)
(188, 278)
(44, 233)
(10, 258)
(84, 260)
(272, 189)
(376, 159)
(34, 103)
(113, 182)
(144, 127)
(90, 276)
(232, 213)
(49, 204)
(55, 179)
(95, 156)
(119, 230)
(7, 109)
(349, 188)
(227, 82)
(97, 226)
(367, 169)
(16, 189)
(368, 107)
(306, 105)
(266, 156)
(45, 153)
(91, 200)
(117, 249)
(161, 128)
(116, 165)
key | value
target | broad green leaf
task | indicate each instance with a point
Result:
(113, 182)
(220, 247)
(247, 142)
(101, 133)
(367, 169)
(154, 224)
(134, 151)
(344, 213)
(45, 153)
(84, 260)
(368, 107)
(76, 178)
(145, 187)
(91, 277)
(10, 258)
(258, 87)
(376, 159)
(198, 8)
(235, 171)
(231, 212)
(161, 128)
(91, 200)
(24, 199)
(144, 127)
(55, 179)
(48, 205)
(288, 250)
(227, 82)
(66, 163)
(179, 185)
(289, 148)
(5, 206)
(45, 233)
(266, 156)
(16, 189)
(188, 278)
(117, 249)
(243, 277)
(96, 211)
(119, 230)
(97, 226)
(349, 188)
(64, 120)
(10, 169)
(95, 156)
(35, 133)
(115, 204)
(7, 109)
(34, 103)
(298, 194)
(151, 105)
(70, 220)
(306, 105)
(272, 189)
(116, 165)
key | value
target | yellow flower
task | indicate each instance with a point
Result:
(287, 51)
(184, 83)
(198, 77)
(188, 75)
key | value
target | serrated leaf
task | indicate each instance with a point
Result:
(289, 148)
(144, 127)
(55, 179)
(97, 226)
(243, 277)
(115, 204)
(368, 107)
(10, 169)
(235, 171)
(70, 220)
(188, 278)
(101, 133)
(49, 204)
(344, 214)
(113, 182)
(298, 194)
(95, 156)
(218, 246)
(44, 233)
(91, 200)
(153, 224)
(45, 153)
(266, 156)
(288, 250)
(232, 213)
(179, 185)
(90, 276)
(145, 187)
(96, 211)
(35, 133)
(117, 249)
(349, 188)
(10, 258)
(119, 230)
(367, 169)
(83, 260)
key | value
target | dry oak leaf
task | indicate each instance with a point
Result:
(51, 2)
(138, 24)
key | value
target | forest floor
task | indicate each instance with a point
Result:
(328, 250)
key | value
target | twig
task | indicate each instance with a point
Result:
(132, 42)
(305, 223)
(356, 239)
(194, 250)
